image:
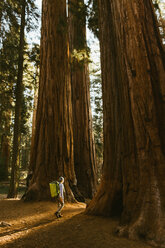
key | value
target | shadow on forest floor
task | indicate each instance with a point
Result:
(33, 225)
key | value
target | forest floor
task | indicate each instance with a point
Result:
(33, 225)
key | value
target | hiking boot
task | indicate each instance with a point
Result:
(60, 215)
(57, 214)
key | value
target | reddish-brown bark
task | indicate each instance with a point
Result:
(84, 149)
(133, 73)
(52, 154)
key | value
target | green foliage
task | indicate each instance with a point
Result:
(159, 6)
(80, 51)
(96, 98)
(32, 16)
(30, 82)
(79, 11)
(93, 17)
(8, 16)
(9, 50)
(8, 76)
(79, 58)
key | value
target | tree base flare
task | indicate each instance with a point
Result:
(136, 232)
(37, 192)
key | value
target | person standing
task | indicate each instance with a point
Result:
(60, 198)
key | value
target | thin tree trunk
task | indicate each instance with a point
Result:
(133, 72)
(33, 124)
(52, 154)
(34, 111)
(4, 157)
(5, 147)
(1, 14)
(84, 150)
(15, 153)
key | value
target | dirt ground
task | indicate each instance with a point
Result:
(33, 225)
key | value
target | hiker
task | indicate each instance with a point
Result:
(60, 198)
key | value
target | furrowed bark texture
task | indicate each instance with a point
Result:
(133, 74)
(52, 154)
(84, 149)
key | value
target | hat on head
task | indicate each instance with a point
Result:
(61, 179)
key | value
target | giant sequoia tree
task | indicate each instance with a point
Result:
(133, 73)
(84, 150)
(52, 151)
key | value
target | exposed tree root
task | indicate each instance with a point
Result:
(138, 231)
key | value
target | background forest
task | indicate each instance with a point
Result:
(10, 29)
(10, 26)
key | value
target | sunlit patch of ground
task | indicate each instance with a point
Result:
(33, 225)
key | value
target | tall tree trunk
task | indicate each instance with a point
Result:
(4, 157)
(84, 150)
(52, 154)
(5, 146)
(15, 153)
(33, 124)
(133, 72)
(1, 14)
(37, 73)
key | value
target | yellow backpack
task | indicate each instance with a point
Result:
(54, 189)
